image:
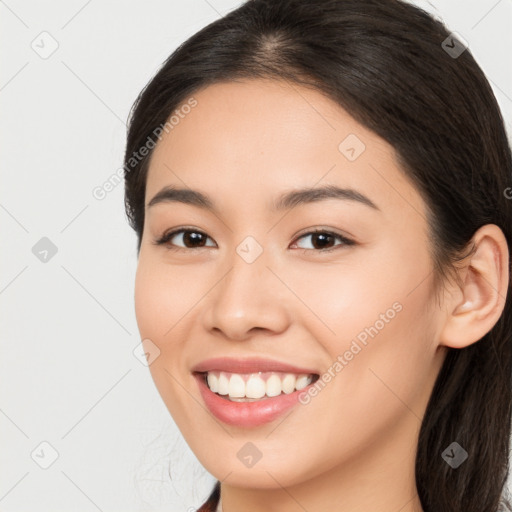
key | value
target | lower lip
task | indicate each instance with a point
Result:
(247, 414)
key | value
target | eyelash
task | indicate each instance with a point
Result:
(164, 239)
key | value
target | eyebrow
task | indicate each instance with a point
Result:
(285, 201)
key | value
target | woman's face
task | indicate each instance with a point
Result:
(250, 280)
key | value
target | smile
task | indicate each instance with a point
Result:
(255, 386)
(247, 412)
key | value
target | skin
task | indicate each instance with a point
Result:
(352, 448)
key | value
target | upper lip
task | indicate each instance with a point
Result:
(252, 365)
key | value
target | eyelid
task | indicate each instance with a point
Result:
(167, 235)
(346, 241)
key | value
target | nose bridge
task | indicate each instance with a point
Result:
(246, 297)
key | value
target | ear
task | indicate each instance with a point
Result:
(473, 310)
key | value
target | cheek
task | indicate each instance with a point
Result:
(390, 361)
(162, 300)
(381, 324)
(339, 301)
(163, 295)
(149, 303)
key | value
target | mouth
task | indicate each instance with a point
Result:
(251, 400)
(256, 386)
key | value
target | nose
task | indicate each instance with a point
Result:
(248, 298)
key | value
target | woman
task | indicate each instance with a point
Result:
(321, 195)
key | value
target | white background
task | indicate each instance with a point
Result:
(68, 374)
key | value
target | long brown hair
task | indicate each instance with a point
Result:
(389, 65)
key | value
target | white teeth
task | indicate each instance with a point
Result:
(222, 384)
(302, 382)
(289, 383)
(274, 387)
(255, 387)
(213, 382)
(239, 387)
(236, 386)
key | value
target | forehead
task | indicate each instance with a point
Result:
(258, 136)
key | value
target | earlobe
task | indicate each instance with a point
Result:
(473, 310)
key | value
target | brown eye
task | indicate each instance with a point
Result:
(191, 239)
(322, 241)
